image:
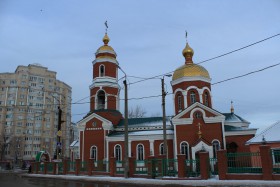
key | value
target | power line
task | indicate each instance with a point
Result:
(219, 56)
(241, 48)
(244, 75)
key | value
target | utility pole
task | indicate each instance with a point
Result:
(126, 172)
(163, 93)
(164, 120)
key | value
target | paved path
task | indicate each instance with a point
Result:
(160, 182)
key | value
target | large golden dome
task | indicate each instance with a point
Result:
(189, 69)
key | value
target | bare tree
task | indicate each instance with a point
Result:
(156, 114)
(137, 112)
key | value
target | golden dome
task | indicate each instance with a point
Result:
(187, 50)
(190, 70)
(106, 39)
(105, 48)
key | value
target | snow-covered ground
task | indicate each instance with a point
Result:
(159, 182)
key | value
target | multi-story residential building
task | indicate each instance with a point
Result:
(29, 102)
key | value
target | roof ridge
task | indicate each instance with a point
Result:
(265, 130)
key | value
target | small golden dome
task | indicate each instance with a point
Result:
(190, 70)
(187, 51)
(106, 39)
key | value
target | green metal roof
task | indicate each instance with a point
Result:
(232, 117)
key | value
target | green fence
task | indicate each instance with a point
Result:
(101, 166)
(244, 163)
(213, 169)
(192, 168)
(141, 166)
(71, 166)
(275, 153)
(84, 166)
(41, 167)
(120, 167)
(50, 167)
(60, 167)
(172, 165)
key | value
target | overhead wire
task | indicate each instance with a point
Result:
(219, 56)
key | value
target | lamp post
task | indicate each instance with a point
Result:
(164, 120)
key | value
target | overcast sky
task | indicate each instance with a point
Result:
(148, 37)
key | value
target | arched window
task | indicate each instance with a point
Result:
(140, 152)
(184, 149)
(161, 149)
(216, 147)
(101, 100)
(179, 102)
(118, 153)
(206, 99)
(192, 96)
(93, 153)
(101, 70)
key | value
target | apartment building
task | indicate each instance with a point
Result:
(29, 115)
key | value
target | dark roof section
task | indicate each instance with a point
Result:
(139, 121)
(231, 117)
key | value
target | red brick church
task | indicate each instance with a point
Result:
(196, 125)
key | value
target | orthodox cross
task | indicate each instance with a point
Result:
(186, 36)
(199, 131)
(106, 25)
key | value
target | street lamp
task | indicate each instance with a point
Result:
(164, 120)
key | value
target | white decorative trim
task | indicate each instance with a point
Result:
(90, 151)
(182, 121)
(188, 156)
(152, 148)
(188, 79)
(114, 61)
(105, 51)
(93, 129)
(199, 147)
(106, 124)
(139, 137)
(237, 133)
(137, 151)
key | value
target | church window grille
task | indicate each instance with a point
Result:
(184, 149)
(198, 115)
(102, 70)
(206, 99)
(192, 96)
(180, 102)
(118, 152)
(140, 152)
(101, 100)
(161, 149)
(216, 147)
(93, 153)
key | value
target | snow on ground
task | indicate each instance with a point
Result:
(159, 182)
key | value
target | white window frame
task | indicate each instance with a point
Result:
(182, 151)
(101, 74)
(118, 152)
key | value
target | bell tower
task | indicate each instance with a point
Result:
(104, 90)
